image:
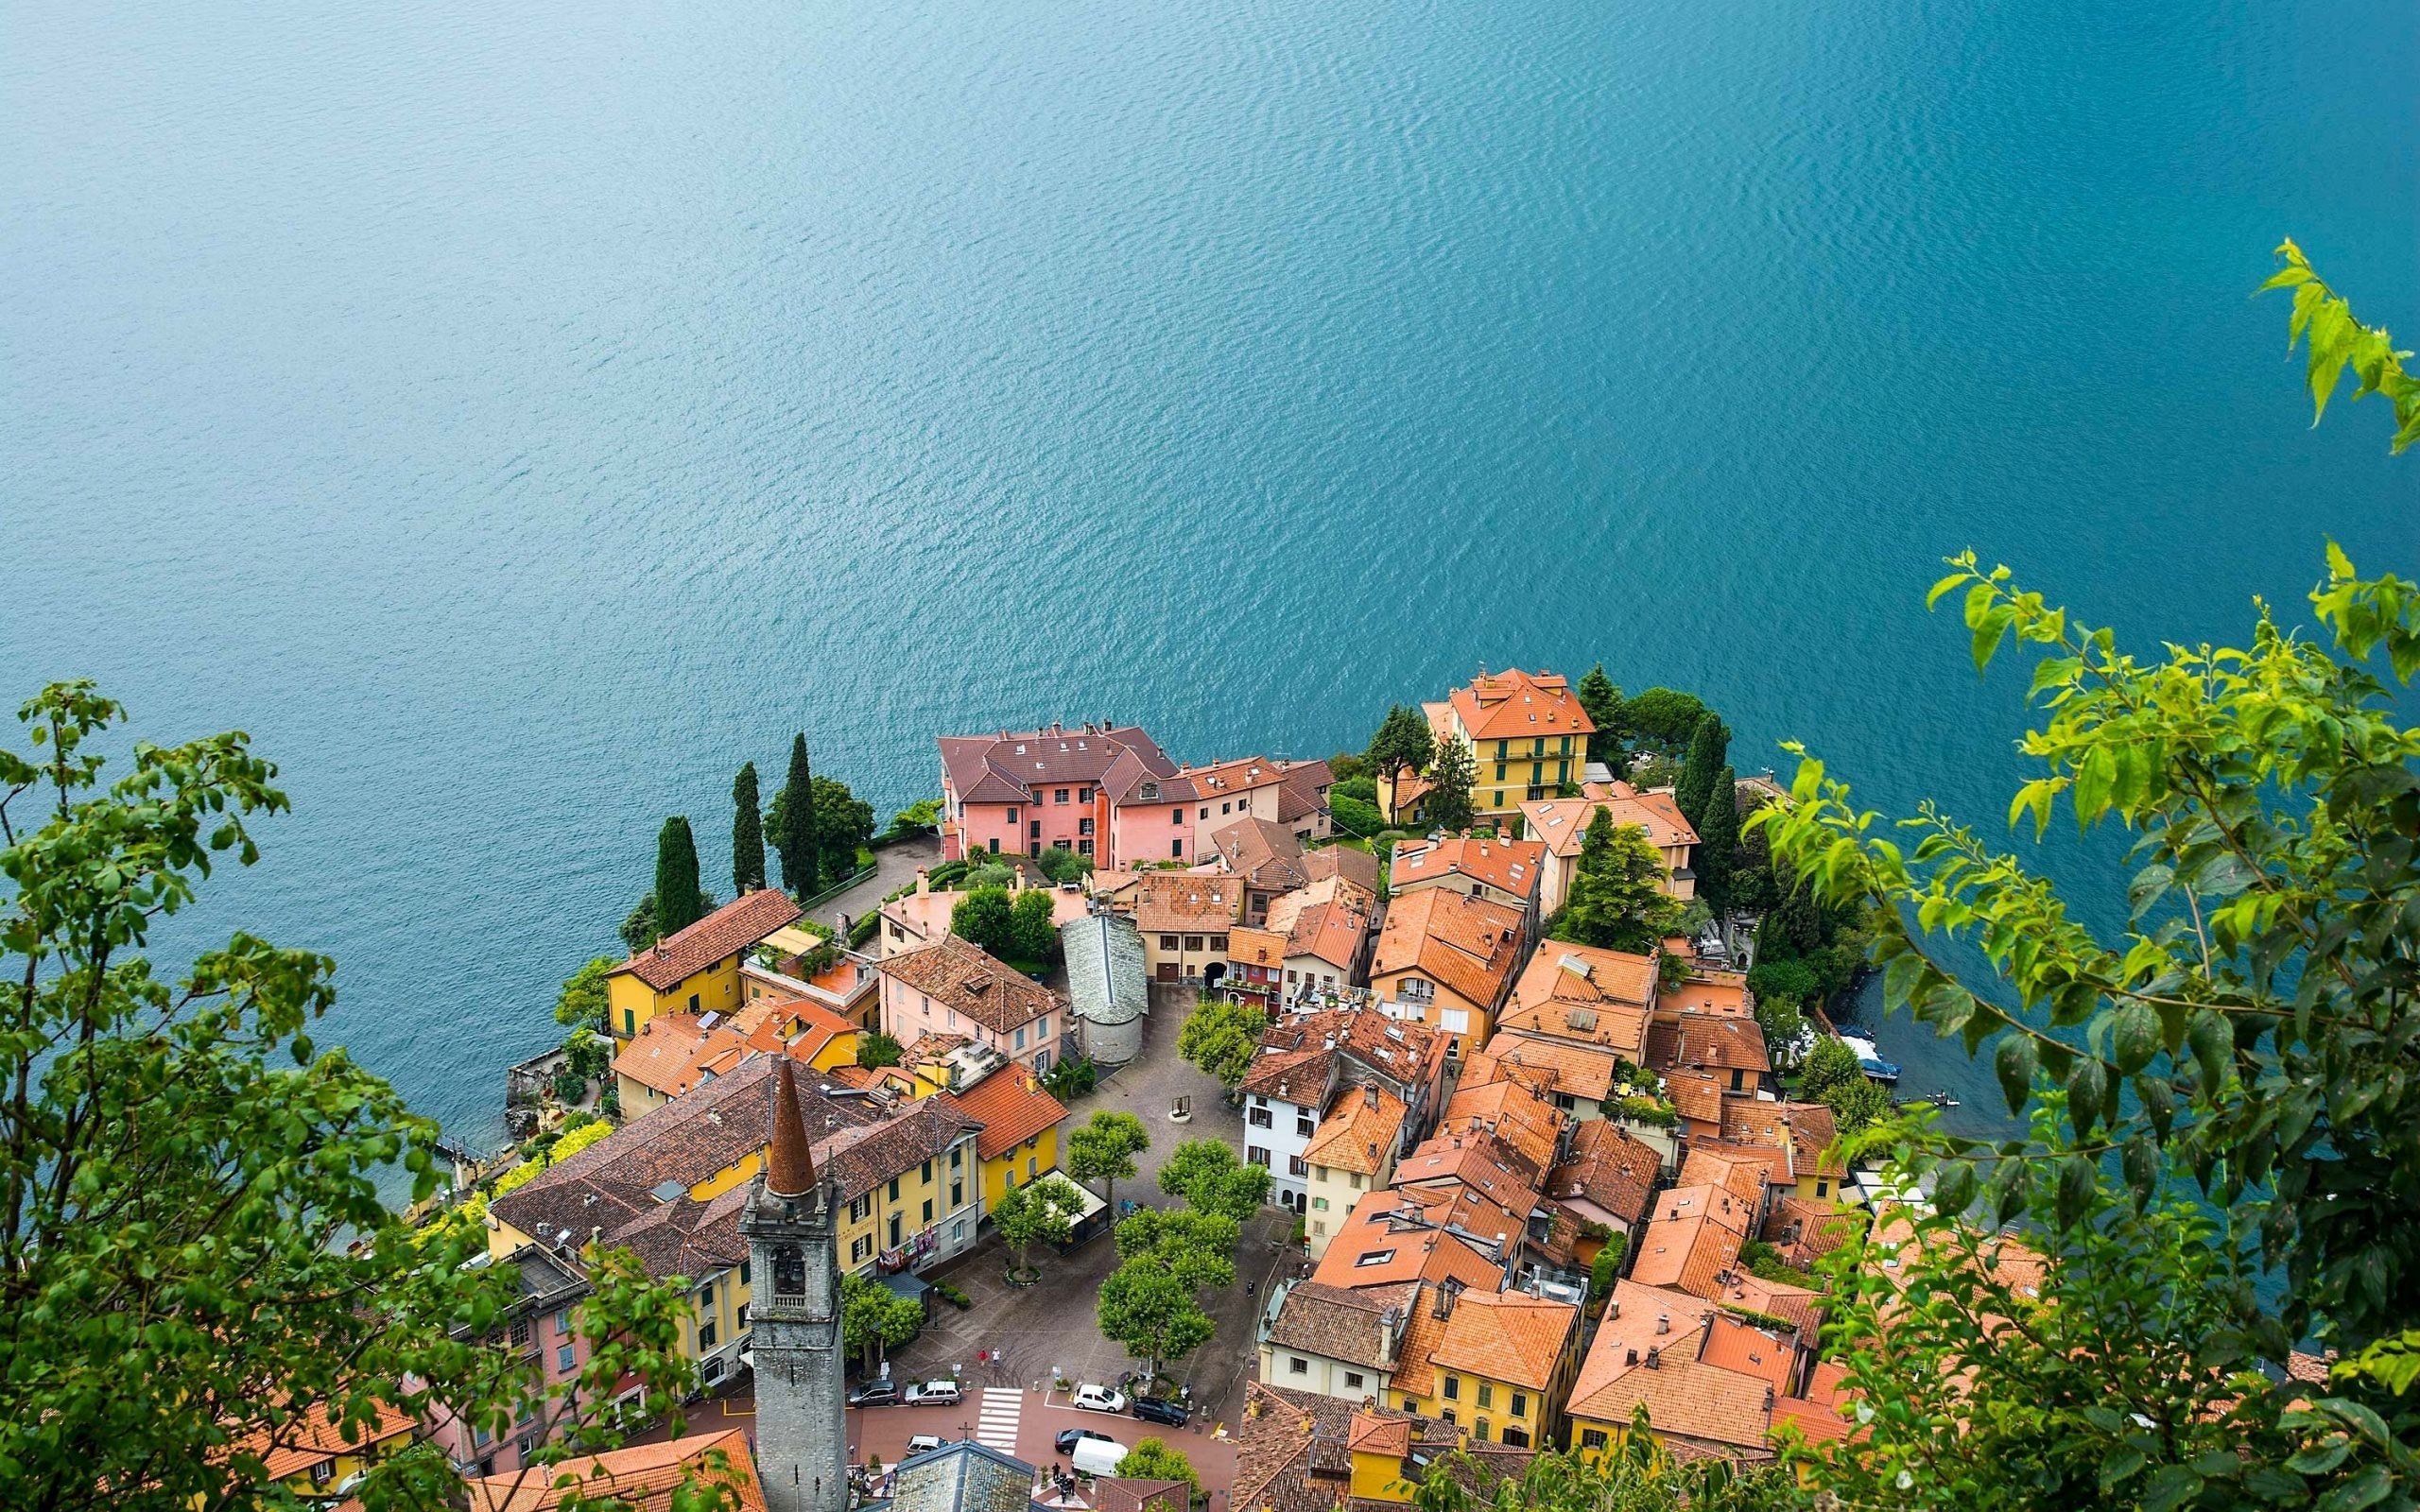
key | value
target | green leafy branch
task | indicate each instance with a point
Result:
(2339, 341)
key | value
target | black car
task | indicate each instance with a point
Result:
(1166, 1410)
(876, 1394)
(1071, 1437)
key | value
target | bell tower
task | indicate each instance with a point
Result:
(794, 1319)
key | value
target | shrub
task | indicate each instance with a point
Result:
(569, 1086)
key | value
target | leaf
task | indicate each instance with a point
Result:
(2171, 1486)
(2366, 1486)
(2087, 1084)
(2134, 1039)
(2148, 887)
(2012, 1064)
(1954, 1187)
(2075, 1189)
(2120, 1465)
(2322, 1457)
(2213, 1045)
(2095, 775)
(1933, 595)
(2140, 1164)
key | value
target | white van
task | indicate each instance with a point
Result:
(1097, 1456)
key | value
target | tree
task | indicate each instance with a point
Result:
(1207, 1175)
(1042, 1212)
(197, 1263)
(1607, 1266)
(1152, 1459)
(1449, 794)
(874, 1319)
(1221, 1036)
(2223, 1091)
(1718, 841)
(1103, 1150)
(677, 902)
(638, 930)
(1857, 1105)
(582, 1000)
(1345, 766)
(986, 919)
(1403, 743)
(1033, 934)
(1602, 700)
(1664, 715)
(876, 1049)
(842, 824)
(1148, 1303)
(1707, 744)
(1635, 1473)
(1063, 865)
(791, 823)
(747, 834)
(1829, 1065)
(1616, 900)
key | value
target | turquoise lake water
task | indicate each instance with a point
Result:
(516, 416)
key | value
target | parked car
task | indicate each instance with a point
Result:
(933, 1394)
(923, 1443)
(1167, 1410)
(1097, 1456)
(876, 1394)
(1069, 1439)
(1093, 1398)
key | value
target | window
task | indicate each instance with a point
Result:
(1352, 1378)
(1062, 844)
(928, 1209)
(739, 1319)
(1319, 1227)
(1254, 1155)
(1520, 1405)
(996, 845)
(895, 1231)
(894, 1189)
(1167, 942)
(323, 1471)
(1020, 1038)
(706, 1297)
(1084, 795)
(1193, 942)
(926, 1172)
(1224, 808)
(1355, 1178)
(1318, 1204)
(860, 1208)
(1218, 943)
(1041, 1028)
(958, 1193)
(1083, 827)
(1084, 847)
(958, 1232)
(1259, 1117)
(692, 1002)
(1478, 1430)
(957, 1155)
(563, 1321)
(1296, 1166)
(1176, 847)
(1303, 1127)
(563, 1358)
(1454, 1020)
(859, 1248)
(1059, 796)
(1449, 1417)
(1031, 1167)
(629, 1020)
(1821, 1189)
(1592, 1438)
(1417, 989)
(519, 1331)
(1297, 1365)
(705, 1336)
(743, 1273)
(1379, 1257)
(1486, 1395)
(1453, 1388)
(1206, 811)
(1013, 815)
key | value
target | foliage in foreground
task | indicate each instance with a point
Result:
(195, 1260)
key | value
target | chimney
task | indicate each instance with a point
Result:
(1370, 1096)
(924, 881)
(1663, 1322)
(1390, 1329)
(1629, 1357)
(790, 1166)
(1655, 1359)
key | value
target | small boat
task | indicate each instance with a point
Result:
(1869, 1059)
(1938, 1099)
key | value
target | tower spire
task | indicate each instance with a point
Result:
(790, 1166)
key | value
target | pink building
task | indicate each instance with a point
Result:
(538, 1326)
(951, 989)
(1104, 791)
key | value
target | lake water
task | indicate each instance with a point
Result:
(517, 415)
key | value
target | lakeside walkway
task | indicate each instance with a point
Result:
(893, 867)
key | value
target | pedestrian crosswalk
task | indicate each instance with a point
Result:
(996, 1415)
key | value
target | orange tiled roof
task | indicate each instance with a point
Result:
(1509, 1337)
(1736, 1343)
(1796, 1305)
(718, 936)
(1561, 823)
(1807, 1129)
(1609, 1169)
(1686, 1254)
(309, 1438)
(1172, 901)
(1012, 1108)
(1686, 1396)
(1824, 1411)
(1297, 1076)
(1509, 1110)
(1723, 993)
(1725, 1208)
(1571, 1070)
(1255, 947)
(1697, 1041)
(1516, 705)
(1742, 1171)
(1373, 1250)
(1468, 944)
(1359, 1131)
(1696, 1096)
(1509, 865)
(1479, 1162)
(646, 1476)
(1586, 975)
(1408, 1052)
(676, 1052)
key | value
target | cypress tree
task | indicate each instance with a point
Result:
(1719, 841)
(1603, 701)
(747, 834)
(795, 837)
(677, 898)
(1707, 743)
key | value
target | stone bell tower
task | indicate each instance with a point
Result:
(794, 1319)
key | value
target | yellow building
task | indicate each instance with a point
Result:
(696, 969)
(1527, 734)
(1021, 1123)
(1448, 960)
(314, 1458)
(1351, 1155)
(670, 1185)
(1496, 1364)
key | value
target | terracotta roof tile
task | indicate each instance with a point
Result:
(1809, 1128)
(645, 1477)
(1360, 868)
(718, 936)
(1509, 865)
(1609, 1169)
(1361, 1130)
(1696, 1096)
(1339, 1322)
(1516, 705)
(1262, 852)
(1509, 1335)
(953, 973)
(1560, 1066)
(1298, 1076)
(1012, 1108)
(1630, 1365)
(1511, 1110)
(1468, 944)
(1562, 823)
(1689, 1254)
(1700, 1041)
